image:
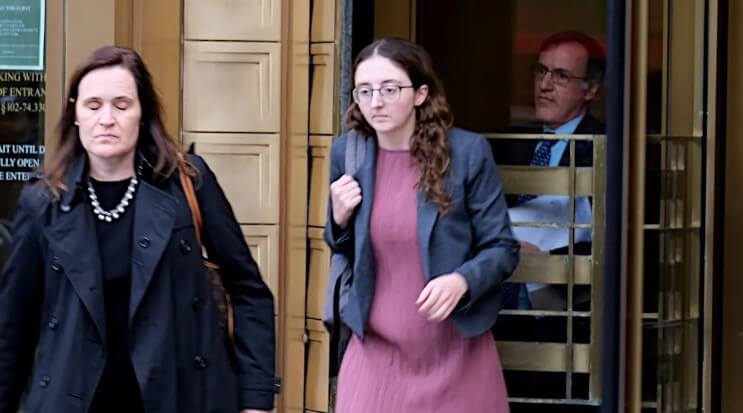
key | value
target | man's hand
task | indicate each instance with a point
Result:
(529, 248)
(441, 295)
(345, 194)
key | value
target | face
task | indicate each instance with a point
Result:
(108, 113)
(396, 111)
(558, 104)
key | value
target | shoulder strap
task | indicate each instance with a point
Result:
(355, 151)
(193, 203)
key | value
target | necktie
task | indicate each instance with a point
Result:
(541, 158)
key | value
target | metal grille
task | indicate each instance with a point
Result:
(552, 356)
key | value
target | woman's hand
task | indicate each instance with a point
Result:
(345, 194)
(441, 295)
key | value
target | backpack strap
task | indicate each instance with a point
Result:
(355, 151)
(341, 269)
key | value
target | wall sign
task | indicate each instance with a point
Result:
(22, 34)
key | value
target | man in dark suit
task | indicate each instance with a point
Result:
(567, 78)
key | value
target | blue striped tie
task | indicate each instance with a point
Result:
(541, 157)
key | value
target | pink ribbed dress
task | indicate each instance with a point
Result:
(406, 363)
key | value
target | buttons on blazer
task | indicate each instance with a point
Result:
(197, 303)
(144, 242)
(185, 247)
(56, 266)
(53, 323)
(44, 381)
(65, 208)
(200, 362)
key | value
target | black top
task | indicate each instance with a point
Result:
(118, 390)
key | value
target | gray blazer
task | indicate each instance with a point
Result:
(474, 238)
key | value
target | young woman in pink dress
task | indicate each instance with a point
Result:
(424, 220)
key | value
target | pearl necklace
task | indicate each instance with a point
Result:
(118, 211)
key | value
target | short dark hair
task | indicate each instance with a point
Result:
(596, 56)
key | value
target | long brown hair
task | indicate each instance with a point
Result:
(429, 145)
(153, 142)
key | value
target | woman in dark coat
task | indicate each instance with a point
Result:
(105, 305)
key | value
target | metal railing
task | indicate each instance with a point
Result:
(565, 360)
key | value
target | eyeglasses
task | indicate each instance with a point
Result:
(389, 93)
(560, 77)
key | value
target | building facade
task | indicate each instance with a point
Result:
(259, 88)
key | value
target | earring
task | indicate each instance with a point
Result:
(77, 123)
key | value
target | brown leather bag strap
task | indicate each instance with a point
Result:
(193, 203)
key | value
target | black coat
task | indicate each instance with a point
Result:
(52, 321)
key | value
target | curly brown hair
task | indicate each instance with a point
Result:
(153, 141)
(429, 145)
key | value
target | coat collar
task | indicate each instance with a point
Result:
(154, 220)
(73, 237)
(76, 178)
(70, 239)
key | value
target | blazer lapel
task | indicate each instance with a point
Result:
(363, 263)
(428, 213)
(366, 177)
(69, 239)
(154, 218)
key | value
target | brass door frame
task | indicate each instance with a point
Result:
(154, 30)
(292, 335)
(55, 73)
(732, 285)
(638, 26)
(683, 132)
(395, 18)
(710, 248)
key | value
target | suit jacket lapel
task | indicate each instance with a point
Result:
(69, 239)
(363, 260)
(366, 177)
(154, 218)
(428, 213)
